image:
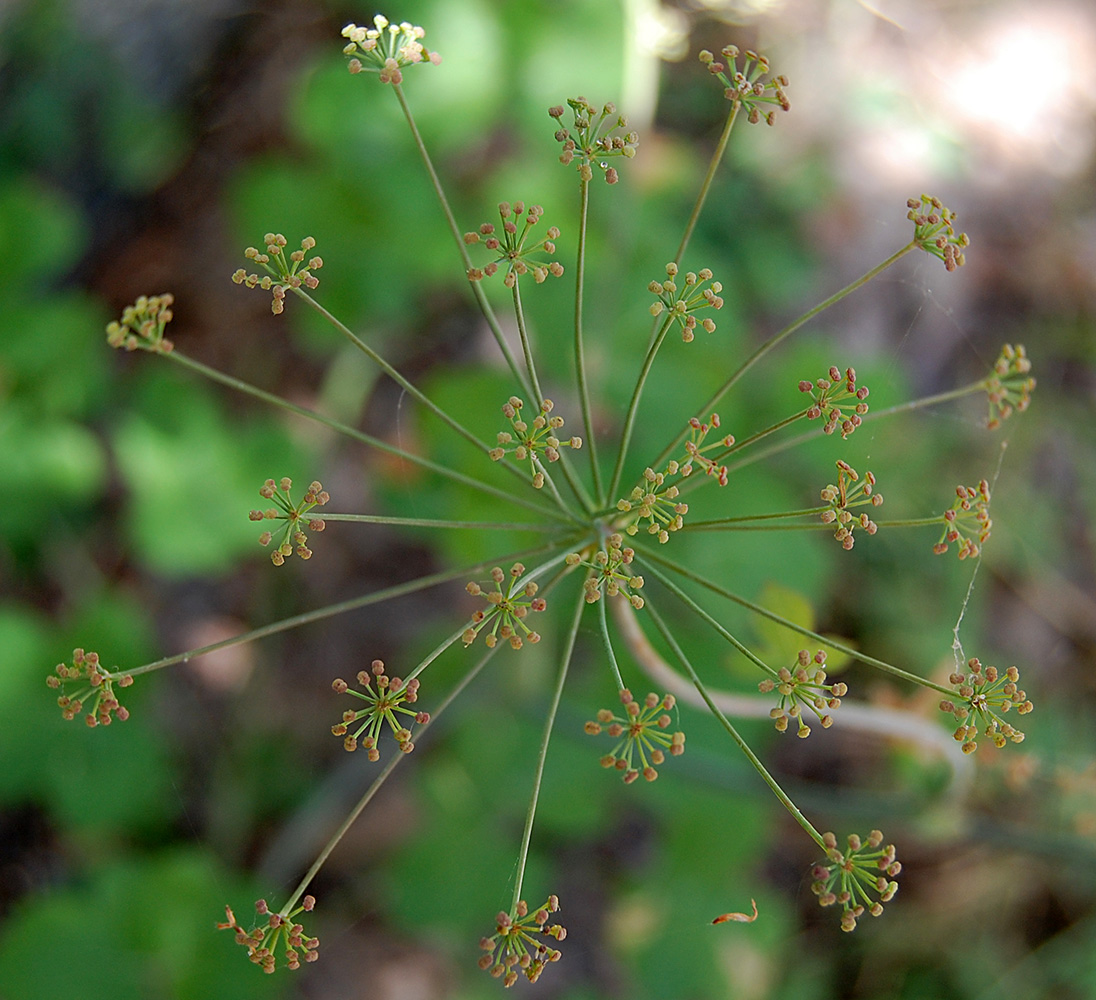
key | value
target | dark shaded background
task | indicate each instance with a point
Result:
(144, 144)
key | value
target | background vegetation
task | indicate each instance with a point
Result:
(142, 146)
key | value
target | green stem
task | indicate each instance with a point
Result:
(378, 781)
(705, 187)
(914, 522)
(608, 642)
(788, 330)
(731, 521)
(828, 641)
(331, 610)
(697, 609)
(527, 833)
(481, 297)
(519, 314)
(580, 353)
(913, 404)
(629, 422)
(427, 522)
(351, 432)
(734, 734)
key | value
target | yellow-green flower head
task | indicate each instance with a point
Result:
(386, 48)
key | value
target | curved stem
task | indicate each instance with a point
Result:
(527, 833)
(787, 331)
(887, 723)
(331, 610)
(629, 422)
(477, 291)
(769, 780)
(351, 432)
(856, 654)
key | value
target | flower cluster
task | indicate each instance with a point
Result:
(386, 48)
(983, 693)
(699, 292)
(805, 685)
(850, 491)
(966, 520)
(507, 611)
(514, 250)
(99, 686)
(381, 706)
(746, 86)
(933, 231)
(261, 942)
(282, 272)
(1010, 385)
(640, 734)
(292, 538)
(854, 876)
(592, 138)
(609, 572)
(142, 325)
(532, 441)
(516, 942)
(828, 392)
(655, 499)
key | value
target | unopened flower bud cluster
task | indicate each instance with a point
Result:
(591, 140)
(851, 878)
(747, 85)
(642, 740)
(850, 491)
(934, 233)
(94, 681)
(829, 392)
(384, 703)
(142, 325)
(967, 521)
(518, 945)
(280, 931)
(506, 610)
(610, 573)
(282, 272)
(513, 248)
(531, 441)
(292, 535)
(1010, 385)
(984, 695)
(386, 48)
(698, 291)
(803, 685)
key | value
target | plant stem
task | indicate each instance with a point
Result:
(330, 610)
(427, 522)
(580, 353)
(697, 609)
(705, 187)
(609, 643)
(731, 522)
(856, 654)
(787, 331)
(629, 422)
(530, 367)
(352, 432)
(913, 404)
(378, 781)
(477, 291)
(527, 833)
(734, 734)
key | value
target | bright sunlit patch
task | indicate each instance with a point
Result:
(1028, 82)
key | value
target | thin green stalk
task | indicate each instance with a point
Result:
(530, 367)
(705, 187)
(308, 617)
(629, 422)
(477, 291)
(428, 522)
(856, 654)
(609, 643)
(914, 522)
(388, 768)
(580, 352)
(788, 330)
(731, 522)
(352, 432)
(527, 833)
(698, 610)
(734, 734)
(890, 411)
